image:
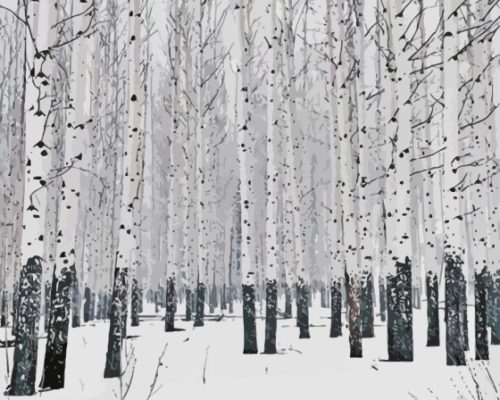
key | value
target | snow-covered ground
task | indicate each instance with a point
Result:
(207, 363)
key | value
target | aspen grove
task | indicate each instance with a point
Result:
(297, 169)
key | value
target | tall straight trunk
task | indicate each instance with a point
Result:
(37, 100)
(335, 226)
(453, 236)
(174, 175)
(126, 257)
(247, 200)
(65, 282)
(399, 276)
(346, 129)
(272, 139)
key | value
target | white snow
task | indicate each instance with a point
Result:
(319, 366)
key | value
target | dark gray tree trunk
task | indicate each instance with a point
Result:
(271, 322)
(382, 299)
(481, 328)
(200, 305)
(4, 310)
(134, 306)
(336, 310)
(100, 304)
(157, 301)
(353, 310)
(87, 305)
(230, 300)
(432, 287)
(288, 302)
(189, 296)
(495, 309)
(171, 305)
(117, 324)
(303, 309)
(454, 280)
(366, 313)
(15, 304)
(54, 365)
(223, 304)
(47, 288)
(26, 343)
(76, 300)
(400, 313)
(213, 301)
(465, 319)
(141, 299)
(249, 325)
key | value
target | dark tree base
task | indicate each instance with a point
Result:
(200, 305)
(432, 287)
(15, 303)
(382, 292)
(213, 302)
(189, 315)
(400, 313)
(495, 309)
(57, 340)
(4, 310)
(271, 321)
(353, 288)
(116, 326)
(87, 305)
(223, 304)
(336, 310)
(76, 299)
(134, 306)
(454, 283)
(366, 313)
(26, 343)
(303, 309)
(171, 306)
(482, 350)
(288, 302)
(249, 325)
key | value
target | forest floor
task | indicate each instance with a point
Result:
(208, 363)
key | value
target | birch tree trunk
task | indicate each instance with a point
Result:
(399, 289)
(174, 175)
(335, 231)
(126, 253)
(64, 276)
(454, 252)
(37, 96)
(271, 192)
(246, 143)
